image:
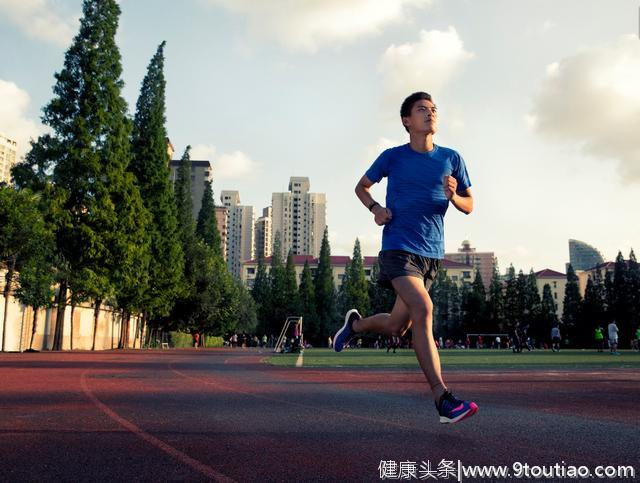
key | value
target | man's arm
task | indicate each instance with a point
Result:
(462, 200)
(382, 214)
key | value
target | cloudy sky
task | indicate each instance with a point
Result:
(541, 98)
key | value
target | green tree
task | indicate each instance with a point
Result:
(291, 287)
(571, 307)
(592, 310)
(26, 247)
(325, 290)
(207, 226)
(261, 293)
(150, 165)
(247, 313)
(474, 307)
(380, 298)
(100, 219)
(548, 315)
(307, 297)
(355, 287)
(278, 284)
(495, 303)
(512, 302)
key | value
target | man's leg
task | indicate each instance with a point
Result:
(395, 323)
(416, 298)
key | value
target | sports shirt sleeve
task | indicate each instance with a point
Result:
(460, 173)
(380, 168)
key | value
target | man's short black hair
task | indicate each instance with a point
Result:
(407, 104)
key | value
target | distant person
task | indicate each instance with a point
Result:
(636, 342)
(498, 342)
(599, 338)
(613, 338)
(555, 338)
(423, 179)
(264, 340)
(196, 340)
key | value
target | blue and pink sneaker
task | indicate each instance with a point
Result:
(341, 339)
(452, 410)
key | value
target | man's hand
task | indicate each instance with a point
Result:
(450, 185)
(382, 215)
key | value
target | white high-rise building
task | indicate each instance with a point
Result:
(263, 235)
(8, 157)
(299, 217)
(240, 231)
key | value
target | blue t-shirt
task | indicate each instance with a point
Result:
(415, 196)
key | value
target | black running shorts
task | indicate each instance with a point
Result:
(398, 263)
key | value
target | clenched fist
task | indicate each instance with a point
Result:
(450, 185)
(382, 215)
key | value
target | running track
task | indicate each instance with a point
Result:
(222, 415)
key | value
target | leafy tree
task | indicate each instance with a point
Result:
(261, 293)
(571, 306)
(307, 298)
(100, 220)
(325, 290)
(150, 165)
(548, 315)
(207, 226)
(355, 287)
(26, 247)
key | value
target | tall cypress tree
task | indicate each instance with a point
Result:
(291, 287)
(207, 226)
(261, 293)
(634, 293)
(474, 307)
(307, 297)
(548, 315)
(571, 307)
(150, 165)
(512, 309)
(623, 298)
(593, 309)
(277, 277)
(356, 293)
(325, 290)
(495, 302)
(101, 223)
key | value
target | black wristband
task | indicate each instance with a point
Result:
(372, 205)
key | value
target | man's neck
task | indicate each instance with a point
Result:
(421, 143)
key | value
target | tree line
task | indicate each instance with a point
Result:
(93, 211)
(514, 300)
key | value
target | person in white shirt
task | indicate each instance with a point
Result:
(555, 339)
(613, 338)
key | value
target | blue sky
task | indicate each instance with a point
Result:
(540, 97)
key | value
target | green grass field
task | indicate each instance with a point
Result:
(463, 359)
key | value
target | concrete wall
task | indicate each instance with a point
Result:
(19, 325)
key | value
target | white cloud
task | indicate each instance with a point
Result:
(226, 165)
(38, 20)
(592, 99)
(14, 122)
(426, 65)
(308, 25)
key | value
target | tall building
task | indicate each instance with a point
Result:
(239, 231)
(299, 217)
(583, 256)
(484, 262)
(222, 219)
(201, 172)
(263, 235)
(557, 281)
(8, 156)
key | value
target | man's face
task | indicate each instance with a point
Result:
(423, 118)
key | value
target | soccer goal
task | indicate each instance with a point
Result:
(291, 337)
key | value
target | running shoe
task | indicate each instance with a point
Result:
(341, 339)
(452, 410)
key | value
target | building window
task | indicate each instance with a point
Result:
(251, 271)
(555, 295)
(555, 284)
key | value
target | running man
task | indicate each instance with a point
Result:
(423, 179)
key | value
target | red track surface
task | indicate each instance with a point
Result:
(223, 415)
